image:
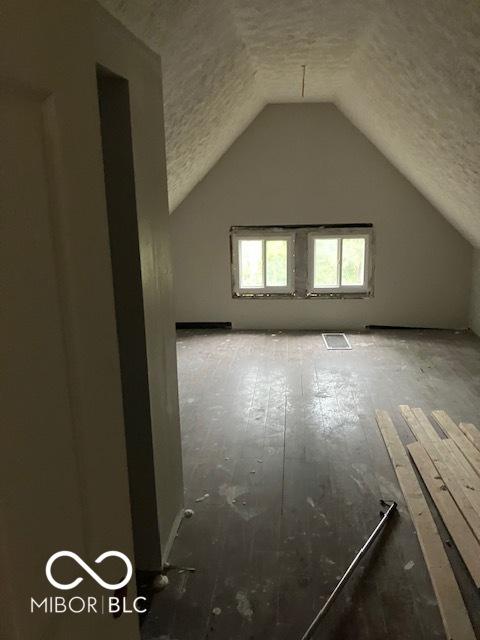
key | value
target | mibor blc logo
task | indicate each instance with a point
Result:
(84, 565)
(112, 604)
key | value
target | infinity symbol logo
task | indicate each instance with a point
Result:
(85, 567)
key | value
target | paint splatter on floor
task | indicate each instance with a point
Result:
(244, 607)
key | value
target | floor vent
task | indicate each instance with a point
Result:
(336, 341)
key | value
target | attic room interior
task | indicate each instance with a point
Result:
(241, 274)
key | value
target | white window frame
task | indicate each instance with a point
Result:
(340, 234)
(237, 236)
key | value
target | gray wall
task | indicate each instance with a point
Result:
(475, 299)
(307, 164)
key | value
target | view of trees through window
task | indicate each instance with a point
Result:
(276, 265)
(325, 270)
(353, 261)
(327, 273)
(251, 264)
(263, 263)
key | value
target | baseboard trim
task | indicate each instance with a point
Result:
(406, 328)
(203, 325)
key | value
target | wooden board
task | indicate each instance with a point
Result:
(426, 425)
(468, 479)
(467, 499)
(461, 462)
(419, 424)
(446, 465)
(452, 431)
(462, 535)
(452, 608)
(471, 432)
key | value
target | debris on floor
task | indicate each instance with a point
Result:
(244, 607)
(188, 513)
(160, 582)
(202, 498)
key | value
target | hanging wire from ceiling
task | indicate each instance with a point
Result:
(304, 66)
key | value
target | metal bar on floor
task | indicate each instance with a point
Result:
(344, 579)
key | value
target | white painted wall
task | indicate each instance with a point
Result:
(475, 295)
(63, 473)
(307, 164)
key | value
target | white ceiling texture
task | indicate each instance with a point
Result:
(406, 72)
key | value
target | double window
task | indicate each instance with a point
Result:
(302, 261)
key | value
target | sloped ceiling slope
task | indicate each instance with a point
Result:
(406, 72)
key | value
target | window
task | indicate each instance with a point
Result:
(302, 262)
(338, 263)
(262, 265)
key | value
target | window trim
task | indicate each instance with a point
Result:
(256, 234)
(340, 233)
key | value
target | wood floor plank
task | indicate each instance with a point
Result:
(471, 432)
(466, 543)
(471, 453)
(452, 608)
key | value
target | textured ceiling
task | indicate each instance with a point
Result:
(406, 72)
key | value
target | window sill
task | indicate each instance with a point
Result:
(344, 295)
(261, 296)
(333, 295)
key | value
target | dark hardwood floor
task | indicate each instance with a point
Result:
(281, 434)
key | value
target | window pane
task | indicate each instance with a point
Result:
(251, 264)
(276, 263)
(353, 261)
(325, 268)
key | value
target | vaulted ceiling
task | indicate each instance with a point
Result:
(406, 72)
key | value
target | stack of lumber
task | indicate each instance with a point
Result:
(450, 469)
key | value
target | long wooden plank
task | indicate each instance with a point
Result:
(426, 424)
(466, 543)
(446, 465)
(471, 432)
(452, 431)
(468, 479)
(419, 424)
(467, 499)
(461, 461)
(452, 608)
